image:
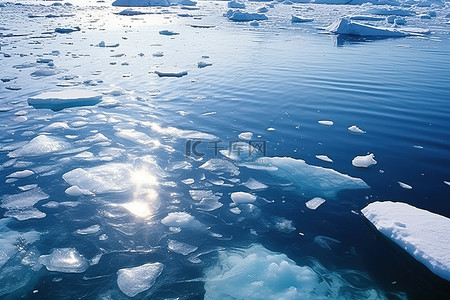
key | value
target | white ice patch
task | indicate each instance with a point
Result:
(206, 199)
(20, 206)
(240, 16)
(179, 133)
(134, 136)
(324, 158)
(423, 234)
(220, 166)
(108, 178)
(404, 185)
(89, 230)
(349, 27)
(364, 161)
(326, 122)
(242, 198)
(141, 3)
(356, 129)
(314, 203)
(64, 99)
(309, 180)
(181, 248)
(40, 145)
(66, 260)
(132, 281)
(254, 184)
(284, 225)
(246, 136)
(20, 174)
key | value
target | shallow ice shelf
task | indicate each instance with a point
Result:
(66, 260)
(64, 99)
(423, 234)
(132, 281)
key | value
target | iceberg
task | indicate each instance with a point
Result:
(64, 99)
(132, 281)
(141, 3)
(422, 234)
(66, 260)
(349, 27)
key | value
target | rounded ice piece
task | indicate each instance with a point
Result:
(242, 197)
(132, 281)
(66, 260)
(364, 161)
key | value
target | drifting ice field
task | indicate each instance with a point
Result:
(224, 150)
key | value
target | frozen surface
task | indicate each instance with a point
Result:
(364, 161)
(421, 233)
(66, 260)
(132, 281)
(64, 99)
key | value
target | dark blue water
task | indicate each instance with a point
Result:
(284, 79)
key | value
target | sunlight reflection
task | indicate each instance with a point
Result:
(139, 209)
(143, 178)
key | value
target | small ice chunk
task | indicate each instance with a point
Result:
(27, 187)
(254, 23)
(66, 260)
(404, 185)
(181, 248)
(181, 220)
(67, 30)
(324, 158)
(171, 72)
(356, 129)
(364, 161)
(298, 19)
(447, 182)
(23, 200)
(284, 225)
(188, 181)
(20, 174)
(40, 145)
(141, 3)
(254, 184)
(64, 99)
(102, 44)
(235, 210)
(423, 234)
(239, 16)
(158, 54)
(89, 230)
(242, 198)
(246, 136)
(325, 123)
(132, 281)
(217, 165)
(203, 64)
(314, 203)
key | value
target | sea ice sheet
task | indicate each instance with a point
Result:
(423, 234)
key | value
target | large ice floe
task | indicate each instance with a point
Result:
(21, 206)
(308, 179)
(132, 281)
(423, 234)
(40, 145)
(258, 273)
(64, 99)
(66, 260)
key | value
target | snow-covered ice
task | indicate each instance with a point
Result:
(364, 161)
(132, 281)
(326, 122)
(242, 198)
(422, 234)
(180, 219)
(356, 129)
(64, 99)
(66, 260)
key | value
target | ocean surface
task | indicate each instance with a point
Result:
(276, 81)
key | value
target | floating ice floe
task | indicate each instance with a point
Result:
(246, 136)
(131, 12)
(141, 3)
(132, 281)
(66, 260)
(102, 44)
(356, 129)
(203, 64)
(20, 206)
(108, 178)
(423, 234)
(348, 27)
(308, 179)
(20, 174)
(220, 166)
(258, 273)
(168, 32)
(298, 19)
(181, 220)
(236, 4)
(89, 230)
(44, 73)
(242, 198)
(40, 145)
(324, 158)
(314, 203)
(64, 99)
(171, 72)
(404, 185)
(284, 225)
(67, 30)
(254, 184)
(364, 161)
(240, 16)
(181, 248)
(206, 200)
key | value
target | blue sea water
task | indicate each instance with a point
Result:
(276, 81)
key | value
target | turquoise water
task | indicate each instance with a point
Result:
(278, 77)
